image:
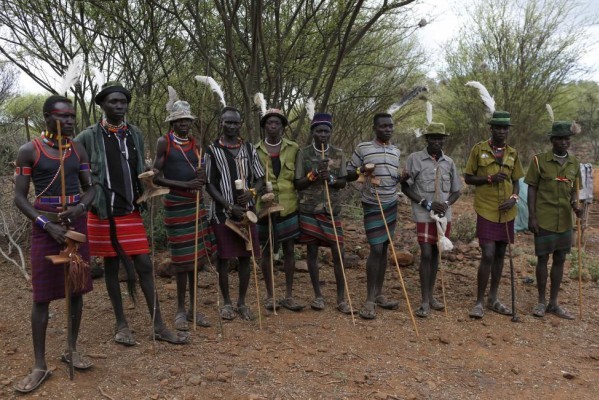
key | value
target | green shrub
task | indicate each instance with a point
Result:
(590, 266)
(463, 228)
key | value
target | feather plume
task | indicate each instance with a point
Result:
(575, 128)
(487, 99)
(429, 113)
(417, 132)
(172, 98)
(406, 99)
(260, 102)
(99, 77)
(71, 75)
(310, 108)
(207, 80)
(550, 112)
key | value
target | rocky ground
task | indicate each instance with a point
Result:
(324, 355)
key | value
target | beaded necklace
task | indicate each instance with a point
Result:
(558, 156)
(230, 146)
(114, 129)
(178, 139)
(273, 144)
(178, 144)
(51, 140)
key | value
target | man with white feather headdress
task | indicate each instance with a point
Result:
(178, 166)
(277, 154)
(552, 181)
(493, 168)
(433, 184)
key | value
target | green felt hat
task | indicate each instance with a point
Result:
(564, 128)
(435, 128)
(500, 118)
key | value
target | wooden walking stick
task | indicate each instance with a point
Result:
(270, 243)
(326, 188)
(403, 285)
(579, 246)
(439, 239)
(241, 173)
(195, 258)
(67, 291)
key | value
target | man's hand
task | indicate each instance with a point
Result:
(439, 208)
(533, 225)
(404, 176)
(199, 181)
(57, 231)
(323, 170)
(71, 214)
(507, 205)
(499, 177)
(237, 212)
(244, 198)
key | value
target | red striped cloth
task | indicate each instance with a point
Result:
(489, 231)
(318, 229)
(130, 230)
(427, 232)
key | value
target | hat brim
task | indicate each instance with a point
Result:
(500, 123)
(176, 117)
(266, 116)
(112, 89)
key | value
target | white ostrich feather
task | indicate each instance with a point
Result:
(207, 80)
(310, 108)
(99, 77)
(429, 113)
(550, 112)
(172, 98)
(71, 75)
(260, 102)
(487, 99)
(417, 132)
(406, 99)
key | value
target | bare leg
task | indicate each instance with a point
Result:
(557, 273)
(380, 279)
(181, 291)
(265, 266)
(373, 265)
(289, 260)
(77, 310)
(425, 275)
(143, 266)
(497, 269)
(313, 268)
(541, 274)
(113, 287)
(338, 273)
(244, 279)
(484, 271)
(223, 280)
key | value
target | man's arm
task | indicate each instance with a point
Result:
(196, 183)
(26, 159)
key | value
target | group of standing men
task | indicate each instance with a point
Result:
(103, 163)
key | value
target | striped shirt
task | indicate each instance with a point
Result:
(223, 169)
(386, 159)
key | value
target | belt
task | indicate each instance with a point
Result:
(58, 199)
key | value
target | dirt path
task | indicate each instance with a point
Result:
(322, 355)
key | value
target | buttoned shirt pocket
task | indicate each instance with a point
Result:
(427, 180)
(445, 182)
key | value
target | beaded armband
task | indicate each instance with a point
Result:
(42, 221)
(23, 171)
(84, 167)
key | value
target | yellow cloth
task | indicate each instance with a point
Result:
(488, 197)
(282, 185)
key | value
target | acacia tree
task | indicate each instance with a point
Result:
(523, 51)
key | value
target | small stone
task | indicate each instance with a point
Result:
(444, 339)
(568, 375)
(211, 377)
(164, 382)
(194, 380)
(175, 370)
(155, 396)
(381, 395)
(97, 355)
(221, 369)
(5, 382)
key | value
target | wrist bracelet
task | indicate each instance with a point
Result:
(515, 197)
(311, 176)
(358, 171)
(253, 192)
(331, 179)
(82, 204)
(489, 179)
(42, 221)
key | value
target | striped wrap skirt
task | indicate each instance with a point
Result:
(546, 242)
(427, 232)
(373, 222)
(130, 232)
(488, 231)
(180, 224)
(284, 228)
(318, 229)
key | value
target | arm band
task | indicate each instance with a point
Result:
(84, 167)
(311, 176)
(489, 179)
(41, 221)
(23, 171)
